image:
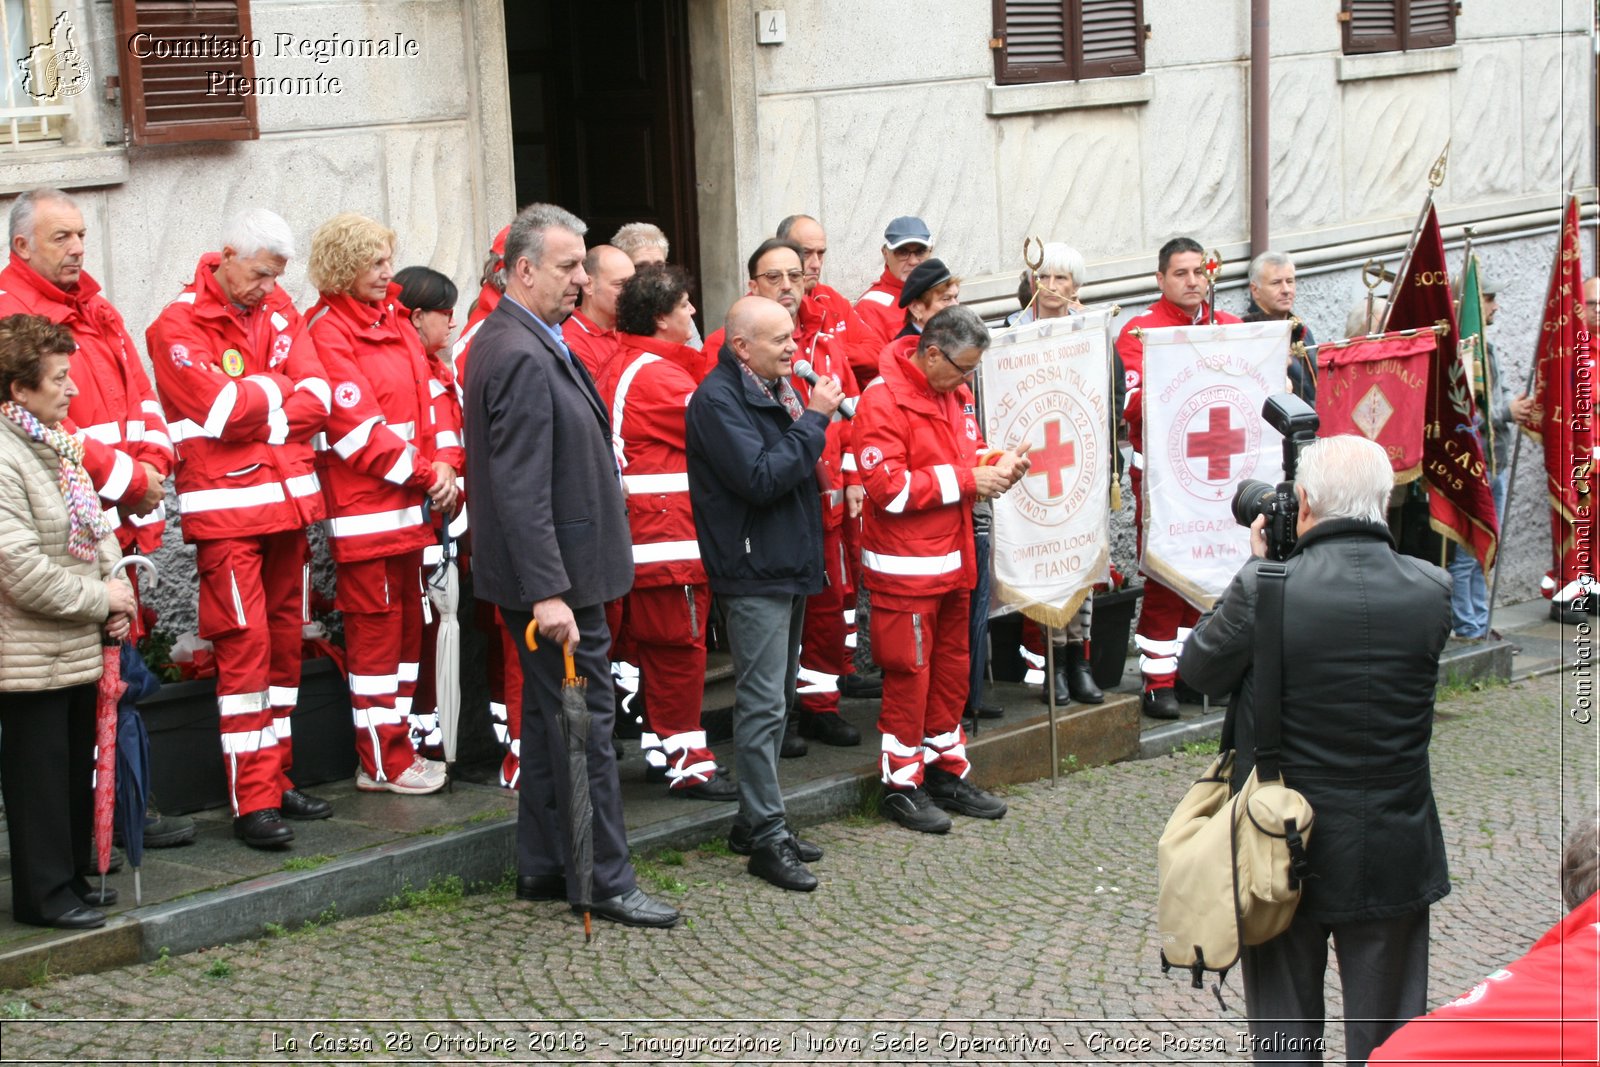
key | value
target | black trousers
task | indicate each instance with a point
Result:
(545, 791)
(1383, 970)
(46, 776)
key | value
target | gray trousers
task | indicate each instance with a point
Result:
(1383, 970)
(764, 637)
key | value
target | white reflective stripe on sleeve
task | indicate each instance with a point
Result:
(367, 718)
(949, 486)
(406, 431)
(666, 552)
(317, 388)
(376, 522)
(446, 439)
(246, 496)
(458, 525)
(241, 703)
(408, 672)
(283, 728)
(898, 504)
(118, 480)
(282, 696)
(847, 462)
(400, 473)
(466, 339)
(373, 685)
(319, 442)
(134, 430)
(159, 439)
(249, 741)
(1157, 665)
(304, 485)
(618, 403)
(917, 566)
(151, 407)
(270, 387)
(877, 296)
(111, 516)
(221, 409)
(351, 442)
(186, 429)
(656, 483)
(834, 497)
(107, 433)
(277, 427)
(402, 705)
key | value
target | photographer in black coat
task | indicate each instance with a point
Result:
(1363, 626)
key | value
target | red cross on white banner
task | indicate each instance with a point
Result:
(1054, 459)
(1218, 444)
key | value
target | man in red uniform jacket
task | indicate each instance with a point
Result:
(591, 330)
(127, 449)
(247, 393)
(1166, 618)
(906, 243)
(839, 319)
(917, 438)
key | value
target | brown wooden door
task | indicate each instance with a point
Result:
(619, 119)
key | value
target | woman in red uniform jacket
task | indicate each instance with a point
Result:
(389, 450)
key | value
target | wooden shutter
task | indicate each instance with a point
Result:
(1037, 46)
(1112, 35)
(1372, 26)
(165, 99)
(1430, 24)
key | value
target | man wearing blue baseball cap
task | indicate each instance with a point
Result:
(906, 243)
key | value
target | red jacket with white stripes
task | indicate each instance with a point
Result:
(879, 309)
(1162, 313)
(383, 428)
(917, 449)
(115, 413)
(860, 344)
(591, 343)
(488, 300)
(246, 394)
(837, 467)
(647, 387)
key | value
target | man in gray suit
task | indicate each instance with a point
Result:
(550, 544)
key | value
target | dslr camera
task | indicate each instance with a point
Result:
(1294, 419)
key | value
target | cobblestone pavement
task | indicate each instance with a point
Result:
(1029, 940)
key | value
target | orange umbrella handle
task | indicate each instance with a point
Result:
(531, 635)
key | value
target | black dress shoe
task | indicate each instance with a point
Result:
(263, 829)
(717, 787)
(779, 863)
(95, 897)
(739, 844)
(297, 805)
(830, 728)
(1080, 679)
(541, 887)
(77, 919)
(634, 908)
(1161, 703)
(991, 711)
(792, 747)
(861, 686)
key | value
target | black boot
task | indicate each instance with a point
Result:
(793, 745)
(1080, 680)
(1161, 703)
(1063, 682)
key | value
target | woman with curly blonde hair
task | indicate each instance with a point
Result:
(392, 449)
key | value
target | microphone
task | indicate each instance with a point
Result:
(806, 373)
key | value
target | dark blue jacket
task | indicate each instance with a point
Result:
(753, 485)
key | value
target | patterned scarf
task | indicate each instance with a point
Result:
(89, 524)
(781, 391)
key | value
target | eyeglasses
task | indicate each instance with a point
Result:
(910, 252)
(966, 374)
(773, 277)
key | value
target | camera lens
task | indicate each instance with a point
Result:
(1250, 499)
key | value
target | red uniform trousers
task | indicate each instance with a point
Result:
(1165, 618)
(253, 594)
(381, 600)
(505, 690)
(1573, 554)
(822, 647)
(921, 644)
(666, 629)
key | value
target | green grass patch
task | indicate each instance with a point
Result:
(219, 969)
(865, 812)
(305, 863)
(440, 893)
(1197, 748)
(650, 869)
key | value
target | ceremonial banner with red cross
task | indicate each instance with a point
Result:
(1376, 387)
(1049, 383)
(1204, 387)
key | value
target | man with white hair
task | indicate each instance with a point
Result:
(247, 394)
(127, 450)
(1364, 626)
(1272, 291)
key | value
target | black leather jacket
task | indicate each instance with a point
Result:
(1364, 628)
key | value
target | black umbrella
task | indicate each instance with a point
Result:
(580, 807)
(133, 759)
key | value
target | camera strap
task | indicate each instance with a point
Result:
(1268, 681)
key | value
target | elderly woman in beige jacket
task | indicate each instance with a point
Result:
(57, 596)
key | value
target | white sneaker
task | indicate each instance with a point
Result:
(415, 780)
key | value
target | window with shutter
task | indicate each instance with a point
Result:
(183, 65)
(1398, 25)
(1067, 40)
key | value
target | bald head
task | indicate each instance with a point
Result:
(608, 268)
(1590, 311)
(761, 334)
